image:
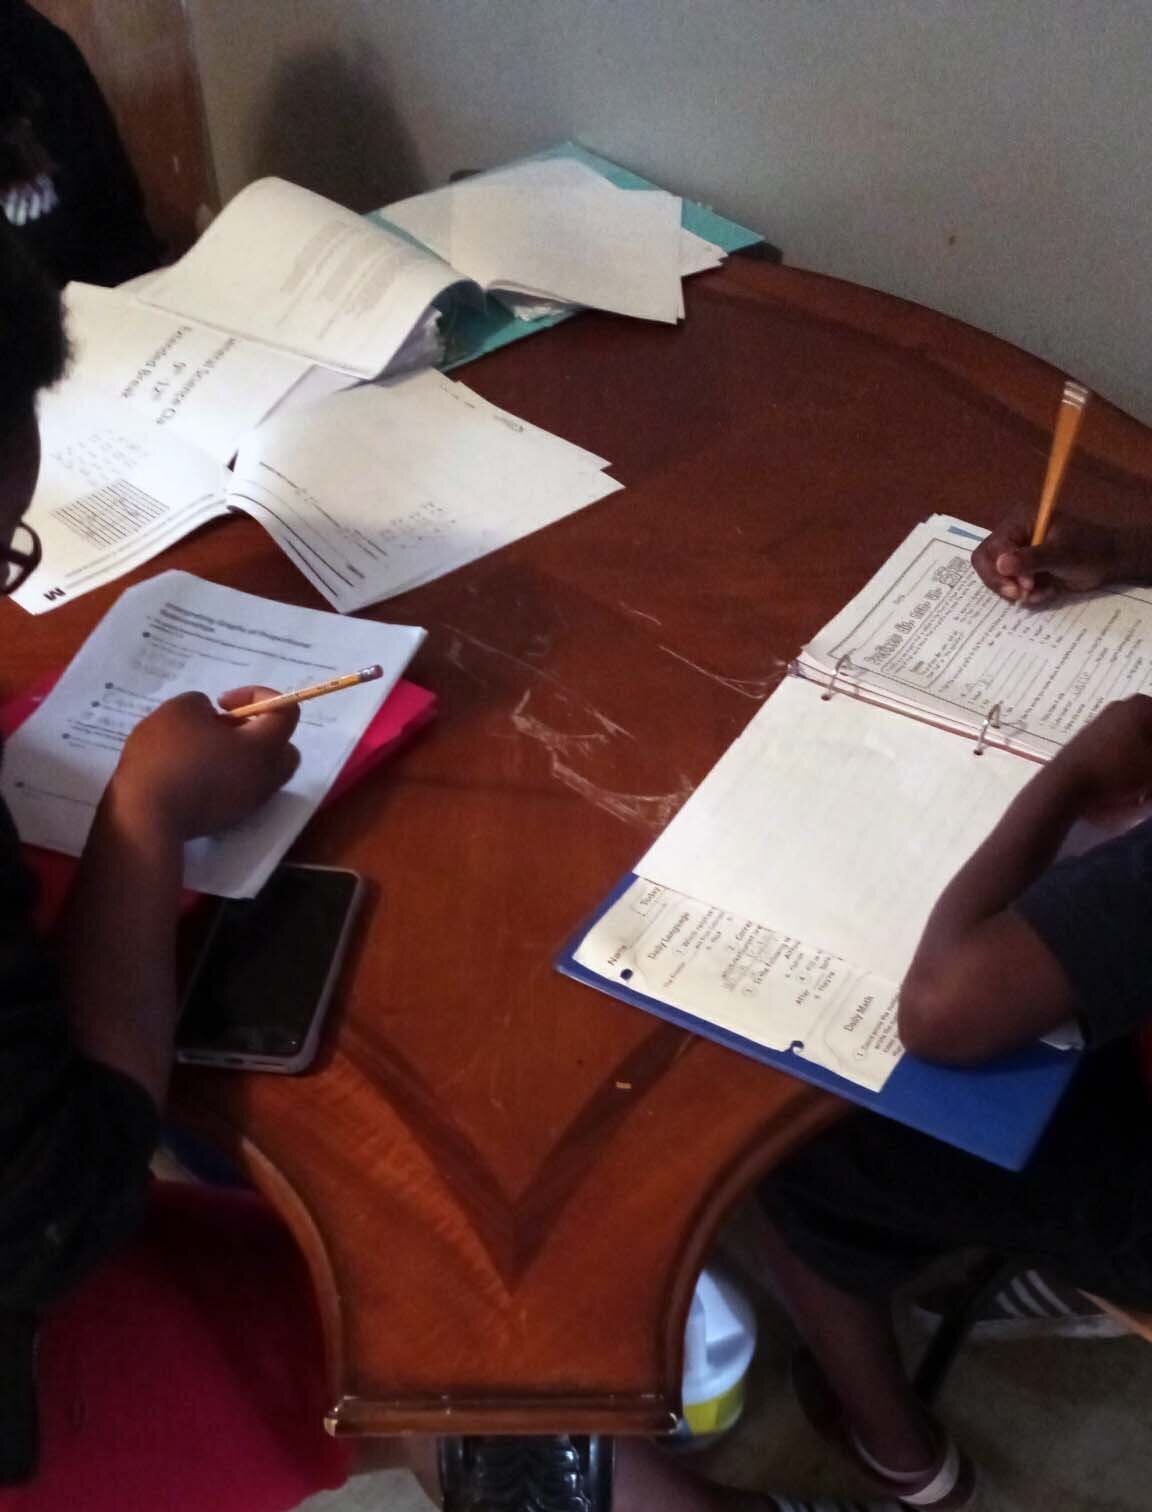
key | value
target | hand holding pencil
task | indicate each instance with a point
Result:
(187, 771)
(277, 701)
(1036, 554)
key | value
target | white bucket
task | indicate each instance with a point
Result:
(719, 1343)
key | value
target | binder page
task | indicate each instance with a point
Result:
(747, 979)
(926, 634)
(173, 634)
(836, 822)
(288, 267)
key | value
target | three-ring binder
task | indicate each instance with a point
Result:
(841, 663)
(991, 722)
(991, 719)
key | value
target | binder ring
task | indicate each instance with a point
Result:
(841, 663)
(991, 722)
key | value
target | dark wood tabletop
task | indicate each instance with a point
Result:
(505, 1182)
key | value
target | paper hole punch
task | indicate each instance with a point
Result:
(841, 663)
(991, 722)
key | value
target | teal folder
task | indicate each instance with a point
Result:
(472, 331)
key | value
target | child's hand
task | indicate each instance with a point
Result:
(1109, 763)
(1076, 557)
(194, 771)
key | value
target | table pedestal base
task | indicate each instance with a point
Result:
(561, 1474)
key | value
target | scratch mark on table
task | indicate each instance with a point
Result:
(455, 655)
(639, 613)
(567, 694)
(650, 811)
(755, 688)
(555, 742)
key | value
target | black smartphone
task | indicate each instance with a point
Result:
(258, 990)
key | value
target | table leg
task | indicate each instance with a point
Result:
(561, 1474)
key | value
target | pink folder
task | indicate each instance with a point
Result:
(406, 710)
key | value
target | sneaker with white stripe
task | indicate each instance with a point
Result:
(1028, 1306)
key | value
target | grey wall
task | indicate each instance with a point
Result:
(988, 159)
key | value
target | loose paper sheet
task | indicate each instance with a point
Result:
(114, 491)
(387, 486)
(748, 979)
(136, 436)
(555, 230)
(177, 633)
(285, 266)
(837, 822)
(927, 634)
(192, 382)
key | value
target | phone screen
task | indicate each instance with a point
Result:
(268, 964)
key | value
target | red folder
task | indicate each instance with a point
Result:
(406, 710)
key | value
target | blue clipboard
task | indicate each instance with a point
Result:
(997, 1111)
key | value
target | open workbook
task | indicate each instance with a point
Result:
(291, 269)
(780, 909)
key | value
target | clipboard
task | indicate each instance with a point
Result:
(997, 1111)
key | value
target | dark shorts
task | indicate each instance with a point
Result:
(870, 1203)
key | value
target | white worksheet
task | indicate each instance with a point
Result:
(748, 979)
(379, 489)
(114, 491)
(696, 256)
(836, 822)
(926, 634)
(191, 381)
(290, 268)
(555, 229)
(177, 633)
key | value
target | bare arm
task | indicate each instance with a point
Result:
(982, 981)
(185, 771)
(118, 942)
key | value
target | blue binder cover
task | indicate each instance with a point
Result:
(997, 1111)
(471, 332)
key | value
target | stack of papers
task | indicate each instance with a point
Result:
(369, 491)
(286, 301)
(136, 438)
(378, 490)
(552, 233)
(289, 268)
(174, 634)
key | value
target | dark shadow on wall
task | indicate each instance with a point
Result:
(331, 128)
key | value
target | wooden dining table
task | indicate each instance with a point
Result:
(505, 1183)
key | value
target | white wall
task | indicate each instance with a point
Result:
(988, 159)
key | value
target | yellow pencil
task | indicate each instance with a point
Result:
(1071, 413)
(318, 690)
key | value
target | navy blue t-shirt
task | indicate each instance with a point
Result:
(1094, 913)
